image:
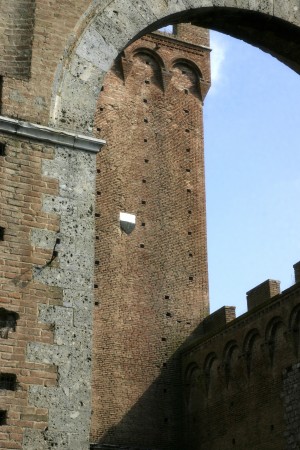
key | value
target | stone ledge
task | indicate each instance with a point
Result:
(50, 135)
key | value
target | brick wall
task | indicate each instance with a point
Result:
(235, 393)
(16, 34)
(151, 285)
(21, 191)
(30, 59)
(291, 399)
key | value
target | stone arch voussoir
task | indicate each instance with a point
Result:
(108, 27)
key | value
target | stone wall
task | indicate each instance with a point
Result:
(46, 248)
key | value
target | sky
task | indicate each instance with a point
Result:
(252, 153)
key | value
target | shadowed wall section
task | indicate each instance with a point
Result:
(242, 376)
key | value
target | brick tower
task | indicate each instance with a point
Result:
(151, 282)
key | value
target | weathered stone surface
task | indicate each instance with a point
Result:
(69, 403)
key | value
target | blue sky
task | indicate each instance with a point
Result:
(252, 149)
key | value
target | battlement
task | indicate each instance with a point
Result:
(232, 355)
(258, 298)
(218, 319)
(262, 292)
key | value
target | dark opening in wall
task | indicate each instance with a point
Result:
(145, 140)
(147, 82)
(142, 245)
(8, 381)
(2, 148)
(143, 202)
(167, 297)
(8, 322)
(2, 233)
(143, 224)
(3, 415)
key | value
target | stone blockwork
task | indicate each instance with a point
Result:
(21, 195)
(151, 285)
(113, 25)
(241, 379)
(47, 246)
(68, 403)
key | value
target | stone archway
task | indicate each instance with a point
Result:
(107, 28)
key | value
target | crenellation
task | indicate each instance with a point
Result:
(262, 292)
(249, 354)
